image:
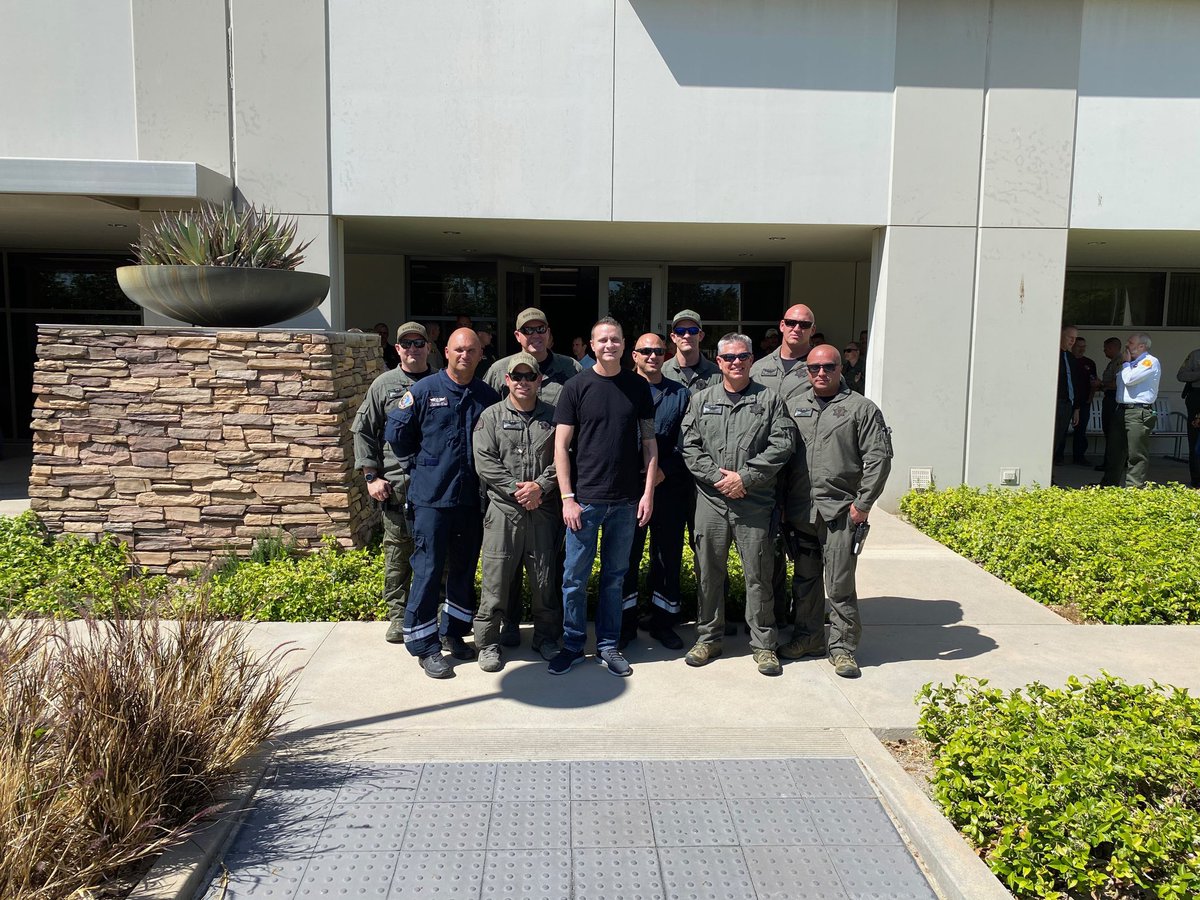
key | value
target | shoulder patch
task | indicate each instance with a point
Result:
(407, 400)
(1147, 363)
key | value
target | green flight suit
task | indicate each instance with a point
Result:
(704, 374)
(371, 451)
(754, 437)
(512, 447)
(845, 457)
(557, 369)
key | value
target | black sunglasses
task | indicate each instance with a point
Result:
(797, 323)
(735, 357)
(417, 343)
(527, 330)
(693, 330)
(814, 368)
(523, 376)
(651, 351)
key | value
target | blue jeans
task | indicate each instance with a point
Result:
(618, 521)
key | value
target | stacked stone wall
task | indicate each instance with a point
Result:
(190, 443)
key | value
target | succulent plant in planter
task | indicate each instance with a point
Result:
(216, 266)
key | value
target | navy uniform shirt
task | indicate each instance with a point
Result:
(433, 424)
(670, 404)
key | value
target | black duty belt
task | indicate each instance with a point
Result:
(1135, 405)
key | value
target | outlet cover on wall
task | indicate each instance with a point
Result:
(1010, 476)
(920, 479)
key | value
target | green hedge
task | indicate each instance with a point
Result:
(1121, 556)
(66, 575)
(1088, 791)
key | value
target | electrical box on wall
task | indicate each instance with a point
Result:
(1010, 476)
(920, 479)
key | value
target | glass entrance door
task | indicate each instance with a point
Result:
(633, 295)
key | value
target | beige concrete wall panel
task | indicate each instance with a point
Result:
(67, 71)
(778, 111)
(941, 48)
(473, 108)
(1018, 311)
(1137, 145)
(919, 350)
(182, 77)
(280, 112)
(827, 288)
(1033, 70)
(374, 290)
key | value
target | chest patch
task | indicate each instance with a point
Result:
(840, 413)
(438, 402)
(804, 413)
(511, 426)
(712, 409)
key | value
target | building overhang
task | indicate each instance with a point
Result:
(115, 180)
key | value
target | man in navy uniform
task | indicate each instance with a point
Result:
(433, 424)
(671, 497)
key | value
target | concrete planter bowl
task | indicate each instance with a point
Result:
(223, 296)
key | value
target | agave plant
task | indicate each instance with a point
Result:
(219, 235)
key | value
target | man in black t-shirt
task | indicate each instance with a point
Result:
(606, 458)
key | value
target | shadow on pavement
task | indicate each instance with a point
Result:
(909, 628)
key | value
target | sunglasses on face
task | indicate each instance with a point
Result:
(797, 323)
(527, 330)
(523, 376)
(691, 330)
(814, 368)
(651, 351)
(416, 343)
(735, 357)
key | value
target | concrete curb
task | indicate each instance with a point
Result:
(959, 873)
(183, 871)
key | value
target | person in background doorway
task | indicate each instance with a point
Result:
(436, 359)
(489, 349)
(1137, 389)
(1072, 392)
(854, 370)
(818, 338)
(1088, 375)
(1189, 374)
(769, 342)
(390, 358)
(579, 349)
(1108, 403)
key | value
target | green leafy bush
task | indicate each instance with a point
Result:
(330, 584)
(1121, 556)
(1092, 790)
(67, 575)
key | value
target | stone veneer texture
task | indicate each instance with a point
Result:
(187, 442)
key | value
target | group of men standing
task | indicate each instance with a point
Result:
(539, 463)
(1130, 384)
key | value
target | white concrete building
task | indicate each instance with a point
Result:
(934, 171)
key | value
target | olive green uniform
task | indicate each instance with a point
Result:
(754, 437)
(512, 447)
(371, 451)
(704, 374)
(556, 370)
(845, 457)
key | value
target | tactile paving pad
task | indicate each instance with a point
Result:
(880, 872)
(527, 874)
(628, 829)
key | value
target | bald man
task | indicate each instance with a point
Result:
(432, 427)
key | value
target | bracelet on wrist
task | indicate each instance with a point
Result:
(568, 496)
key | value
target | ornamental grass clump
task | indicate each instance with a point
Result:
(116, 737)
(1089, 791)
(1123, 557)
(219, 235)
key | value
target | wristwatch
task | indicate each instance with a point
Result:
(370, 476)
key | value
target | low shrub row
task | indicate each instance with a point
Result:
(66, 575)
(1119, 556)
(1088, 791)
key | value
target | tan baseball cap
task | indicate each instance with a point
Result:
(686, 314)
(412, 328)
(533, 314)
(523, 359)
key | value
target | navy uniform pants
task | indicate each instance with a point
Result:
(666, 559)
(442, 538)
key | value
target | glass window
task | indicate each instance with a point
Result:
(440, 290)
(67, 282)
(728, 293)
(1183, 308)
(1114, 298)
